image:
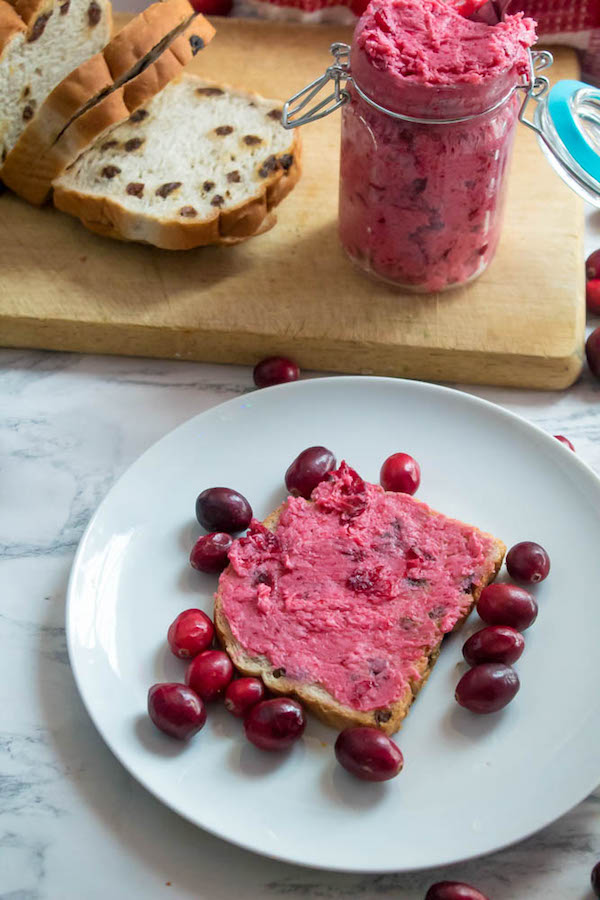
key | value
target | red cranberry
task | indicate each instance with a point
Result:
(209, 553)
(507, 604)
(596, 879)
(275, 724)
(592, 351)
(528, 562)
(487, 688)
(381, 20)
(592, 296)
(275, 370)
(176, 710)
(242, 695)
(368, 753)
(453, 890)
(308, 470)
(191, 633)
(212, 7)
(592, 266)
(221, 509)
(497, 643)
(400, 473)
(209, 674)
(564, 440)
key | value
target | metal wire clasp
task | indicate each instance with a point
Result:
(338, 72)
(538, 85)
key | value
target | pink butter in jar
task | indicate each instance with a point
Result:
(421, 204)
(430, 107)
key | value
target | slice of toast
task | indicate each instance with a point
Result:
(310, 691)
(104, 90)
(206, 165)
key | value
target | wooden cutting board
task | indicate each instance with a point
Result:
(292, 291)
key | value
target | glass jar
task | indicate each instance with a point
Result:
(423, 179)
(421, 204)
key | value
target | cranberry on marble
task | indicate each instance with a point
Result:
(275, 370)
(592, 296)
(592, 266)
(453, 890)
(592, 351)
(596, 879)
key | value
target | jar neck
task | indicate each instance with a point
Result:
(427, 100)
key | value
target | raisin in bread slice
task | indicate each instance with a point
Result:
(200, 164)
(41, 41)
(138, 62)
(414, 601)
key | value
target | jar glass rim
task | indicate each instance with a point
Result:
(434, 121)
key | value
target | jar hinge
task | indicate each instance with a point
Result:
(537, 85)
(339, 72)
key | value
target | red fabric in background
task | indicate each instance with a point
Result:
(573, 22)
(556, 16)
(569, 21)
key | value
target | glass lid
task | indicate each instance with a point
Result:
(567, 122)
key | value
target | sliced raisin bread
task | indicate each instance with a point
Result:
(200, 164)
(41, 41)
(343, 601)
(138, 62)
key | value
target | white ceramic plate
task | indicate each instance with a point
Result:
(470, 784)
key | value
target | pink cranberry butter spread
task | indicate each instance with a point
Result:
(421, 204)
(353, 588)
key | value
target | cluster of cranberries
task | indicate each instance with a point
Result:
(180, 709)
(507, 610)
(592, 294)
(270, 723)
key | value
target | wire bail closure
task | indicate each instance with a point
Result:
(338, 72)
(534, 85)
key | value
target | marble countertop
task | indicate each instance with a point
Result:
(74, 825)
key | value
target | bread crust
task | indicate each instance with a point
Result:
(11, 24)
(29, 10)
(90, 99)
(108, 217)
(314, 696)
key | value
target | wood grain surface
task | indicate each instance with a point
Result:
(292, 291)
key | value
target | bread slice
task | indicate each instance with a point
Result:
(41, 41)
(206, 165)
(314, 695)
(138, 62)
